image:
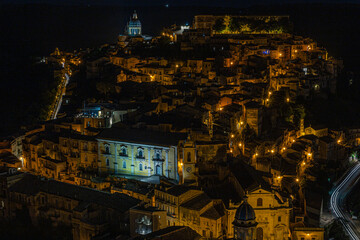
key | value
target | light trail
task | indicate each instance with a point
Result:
(335, 201)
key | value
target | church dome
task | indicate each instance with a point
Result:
(134, 23)
(245, 212)
(245, 215)
(133, 27)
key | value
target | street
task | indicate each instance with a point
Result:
(336, 201)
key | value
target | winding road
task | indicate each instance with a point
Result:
(336, 200)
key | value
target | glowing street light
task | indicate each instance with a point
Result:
(240, 144)
(297, 180)
(272, 150)
(288, 100)
(232, 136)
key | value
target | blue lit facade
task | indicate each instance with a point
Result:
(133, 28)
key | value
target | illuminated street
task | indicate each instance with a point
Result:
(336, 201)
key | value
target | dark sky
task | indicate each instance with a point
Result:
(223, 3)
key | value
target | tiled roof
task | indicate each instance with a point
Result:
(142, 136)
(32, 185)
(197, 203)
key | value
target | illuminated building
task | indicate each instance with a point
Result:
(139, 152)
(87, 212)
(133, 27)
(272, 213)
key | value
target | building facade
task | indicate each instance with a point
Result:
(139, 153)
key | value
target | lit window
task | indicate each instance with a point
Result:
(259, 202)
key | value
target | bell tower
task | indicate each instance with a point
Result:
(189, 161)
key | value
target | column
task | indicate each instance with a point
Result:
(149, 162)
(167, 163)
(99, 159)
(176, 174)
(132, 160)
(115, 163)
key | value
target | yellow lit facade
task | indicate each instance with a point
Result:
(137, 159)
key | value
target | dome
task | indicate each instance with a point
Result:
(245, 215)
(245, 212)
(134, 23)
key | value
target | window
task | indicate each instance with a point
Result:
(157, 155)
(189, 157)
(107, 162)
(279, 218)
(85, 147)
(140, 153)
(107, 149)
(259, 202)
(140, 167)
(123, 151)
(124, 164)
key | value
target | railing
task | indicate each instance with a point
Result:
(158, 159)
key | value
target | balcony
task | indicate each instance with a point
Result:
(140, 158)
(158, 159)
(105, 153)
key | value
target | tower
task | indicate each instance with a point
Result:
(244, 223)
(133, 28)
(189, 161)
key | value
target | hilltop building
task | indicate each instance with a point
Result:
(133, 27)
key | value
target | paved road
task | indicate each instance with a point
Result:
(336, 201)
(58, 102)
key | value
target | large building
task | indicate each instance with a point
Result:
(140, 152)
(133, 27)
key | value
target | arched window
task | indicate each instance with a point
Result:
(107, 162)
(124, 164)
(140, 153)
(157, 154)
(189, 157)
(140, 167)
(107, 149)
(123, 151)
(259, 202)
